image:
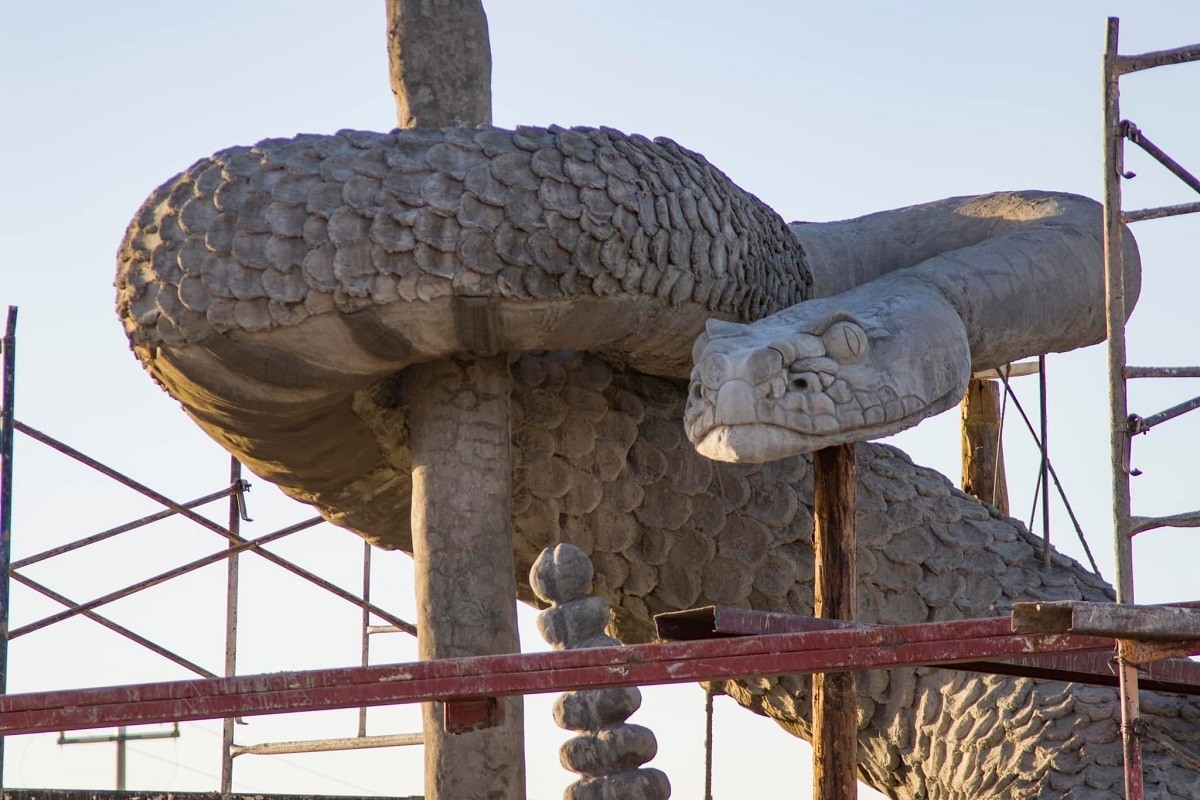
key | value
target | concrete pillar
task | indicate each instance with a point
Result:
(459, 416)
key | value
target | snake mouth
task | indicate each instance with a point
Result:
(753, 443)
(759, 442)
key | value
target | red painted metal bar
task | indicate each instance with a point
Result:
(1177, 675)
(113, 626)
(162, 577)
(337, 591)
(119, 477)
(204, 522)
(532, 673)
(124, 528)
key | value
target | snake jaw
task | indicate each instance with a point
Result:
(774, 389)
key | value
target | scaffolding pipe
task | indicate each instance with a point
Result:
(236, 509)
(328, 745)
(365, 634)
(1144, 424)
(100, 619)
(1113, 139)
(1045, 448)
(191, 566)
(1123, 65)
(1135, 135)
(8, 393)
(1162, 372)
(123, 528)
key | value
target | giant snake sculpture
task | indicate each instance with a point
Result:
(279, 292)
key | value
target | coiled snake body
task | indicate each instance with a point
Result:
(279, 291)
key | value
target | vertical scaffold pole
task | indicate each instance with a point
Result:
(231, 621)
(364, 641)
(1115, 316)
(6, 481)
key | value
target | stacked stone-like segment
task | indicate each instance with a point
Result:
(608, 752)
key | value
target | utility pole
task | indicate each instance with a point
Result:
(120, 738)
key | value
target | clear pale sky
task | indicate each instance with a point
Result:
(824, 110)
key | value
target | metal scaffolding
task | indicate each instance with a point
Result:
(1124, 426)
(1071, 641)
(236, 544)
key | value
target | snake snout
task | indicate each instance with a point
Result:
(762, 364)
(755, 367)
(736, 403)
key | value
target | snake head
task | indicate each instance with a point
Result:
(818, 374)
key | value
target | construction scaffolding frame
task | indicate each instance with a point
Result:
(236, 544)
(1150, 643)
(1123, 425)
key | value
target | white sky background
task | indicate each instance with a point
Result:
(824, 111)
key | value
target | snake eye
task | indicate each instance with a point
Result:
(846, 342)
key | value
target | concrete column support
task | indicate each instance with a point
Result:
(459, 415)
(459, 419)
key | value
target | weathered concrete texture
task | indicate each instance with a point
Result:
(441, 63)
(667, 529)
(947, 287)
(278, 290)
(608, 753)
(265, 237)
(266, 285)
(466, 584)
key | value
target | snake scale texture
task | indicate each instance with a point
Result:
(279, 291)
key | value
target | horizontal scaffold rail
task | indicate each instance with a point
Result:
(1178, 675)
(1188, 519)
(1158, 58)
(449, 680)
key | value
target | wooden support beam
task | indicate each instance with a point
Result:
(835, 706)
(982, 452)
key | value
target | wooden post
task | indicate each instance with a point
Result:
(835, 706)
(982, 451)
(459, 417)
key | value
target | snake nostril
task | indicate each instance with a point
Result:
(806, 381)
